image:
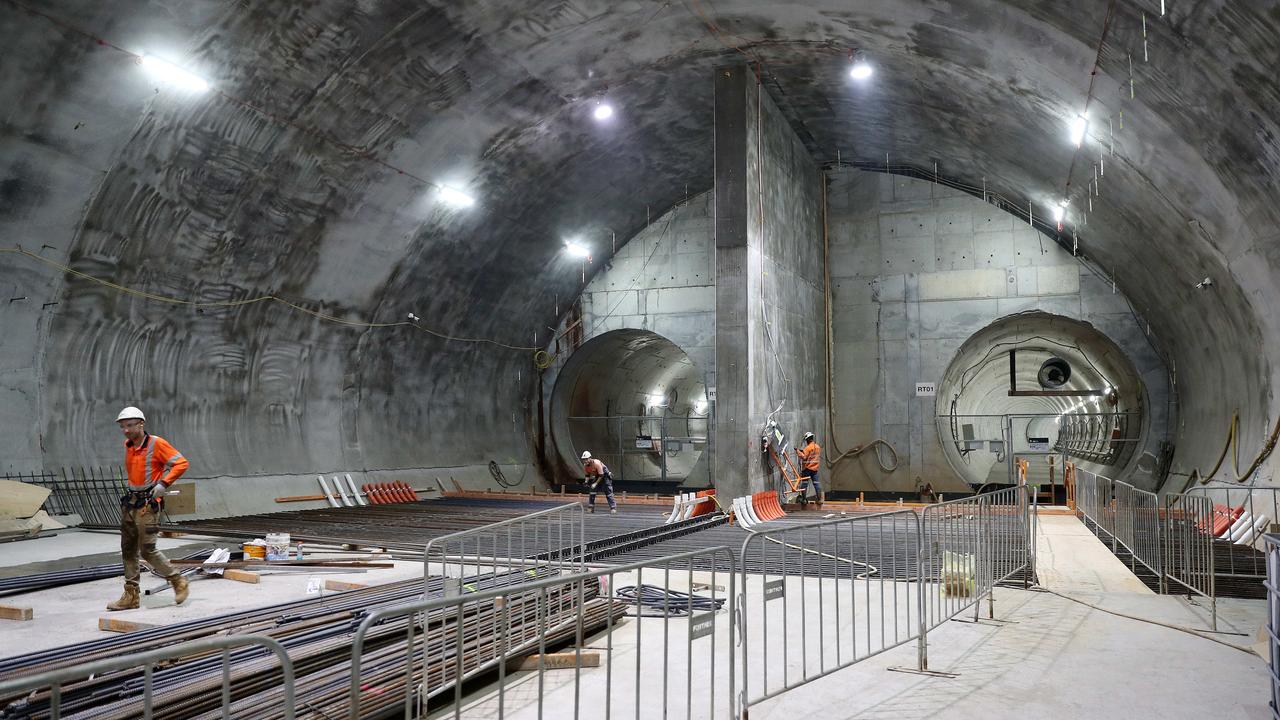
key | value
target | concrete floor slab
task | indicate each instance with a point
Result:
(69, 614)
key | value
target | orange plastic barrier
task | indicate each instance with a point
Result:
(703, 508)
(766, 505)
(407, 491)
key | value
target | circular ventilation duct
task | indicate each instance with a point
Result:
(1054, 373)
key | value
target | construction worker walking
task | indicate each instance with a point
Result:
(810, 457)
(597, 473)
(152, 465)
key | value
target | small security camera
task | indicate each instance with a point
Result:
(1207, 282)
(413, 318)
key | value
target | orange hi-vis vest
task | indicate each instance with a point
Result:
(153, 460)
(810, 456)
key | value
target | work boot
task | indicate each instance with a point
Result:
(180, 585)
(591, 509)
(822, 497)
(128, 601)
(613, 511)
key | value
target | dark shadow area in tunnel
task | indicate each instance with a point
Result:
(1097, 419)
(637, 402)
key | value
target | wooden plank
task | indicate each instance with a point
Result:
(16, 612)
(243, 576)
(340, 585)
(21, 500)
(559, 661)
(111, 624)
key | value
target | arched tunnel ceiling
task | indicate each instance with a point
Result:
(299, 176)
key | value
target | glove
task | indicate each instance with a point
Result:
(157, 491)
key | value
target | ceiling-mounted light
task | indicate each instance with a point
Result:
(456, 198)
(576, 249)
(1079, 124)
(174, 75)
(603, 111)
(1059, 212)
(861, 69)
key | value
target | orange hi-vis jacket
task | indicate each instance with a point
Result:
(153, 460)
(810, 456)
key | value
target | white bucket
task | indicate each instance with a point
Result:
(277, 546)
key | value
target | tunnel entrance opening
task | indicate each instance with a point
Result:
(635, 400)
(1067, 394)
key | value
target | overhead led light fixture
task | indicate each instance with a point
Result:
(456, 198)
(1059, 211)
(861, 70)
(174, 75)
(603, 111)
(1079, 124)
(576, 249)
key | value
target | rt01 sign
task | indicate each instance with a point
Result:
(924, 389)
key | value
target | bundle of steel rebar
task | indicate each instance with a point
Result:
(318, 637)
(58, 578)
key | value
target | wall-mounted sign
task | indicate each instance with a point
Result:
(643, 443)
(924, 389)
(1040, 444)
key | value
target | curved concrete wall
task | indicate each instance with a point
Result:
(302, 176)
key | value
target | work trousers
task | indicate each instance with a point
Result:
(811, 478)
(138, 528)
(607, 482)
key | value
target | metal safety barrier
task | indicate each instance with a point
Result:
(549, 539)
(842, 591)
(646, 626)
(1188, 544)
(1272, 544)
(121, 688)
(1138, 528)
(1249, 512)
(836, 593)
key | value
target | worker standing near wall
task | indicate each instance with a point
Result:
(152, 465)
(810, 457)
(597, 473)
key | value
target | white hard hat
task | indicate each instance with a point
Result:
(131, 413)
(808, 435)
(586, 454)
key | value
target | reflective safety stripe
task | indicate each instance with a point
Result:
(151, 448)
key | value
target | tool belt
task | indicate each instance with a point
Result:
(136, 499)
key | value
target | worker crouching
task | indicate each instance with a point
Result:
(152, 465)
(596, 473)
(810, 457)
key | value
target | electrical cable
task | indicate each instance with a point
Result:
(662, 601)
(255, 300)
(1179, 628)
(1233, 443)
(501, 478)
(826, 303)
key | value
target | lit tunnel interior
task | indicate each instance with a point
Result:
(637, 402)
(984, 429)
(273, 268)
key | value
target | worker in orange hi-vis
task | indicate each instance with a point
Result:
(152, 465)
(810, 457)
(596, 473)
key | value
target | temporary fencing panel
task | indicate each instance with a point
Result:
(642, 619)
(1138, 526)
(100, 684)
(549, 539)
(1188, 543)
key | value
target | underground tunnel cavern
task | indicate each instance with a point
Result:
(382, 272)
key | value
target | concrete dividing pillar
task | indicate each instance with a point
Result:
(770, 361)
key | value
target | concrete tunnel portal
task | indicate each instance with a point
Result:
(637, 401)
